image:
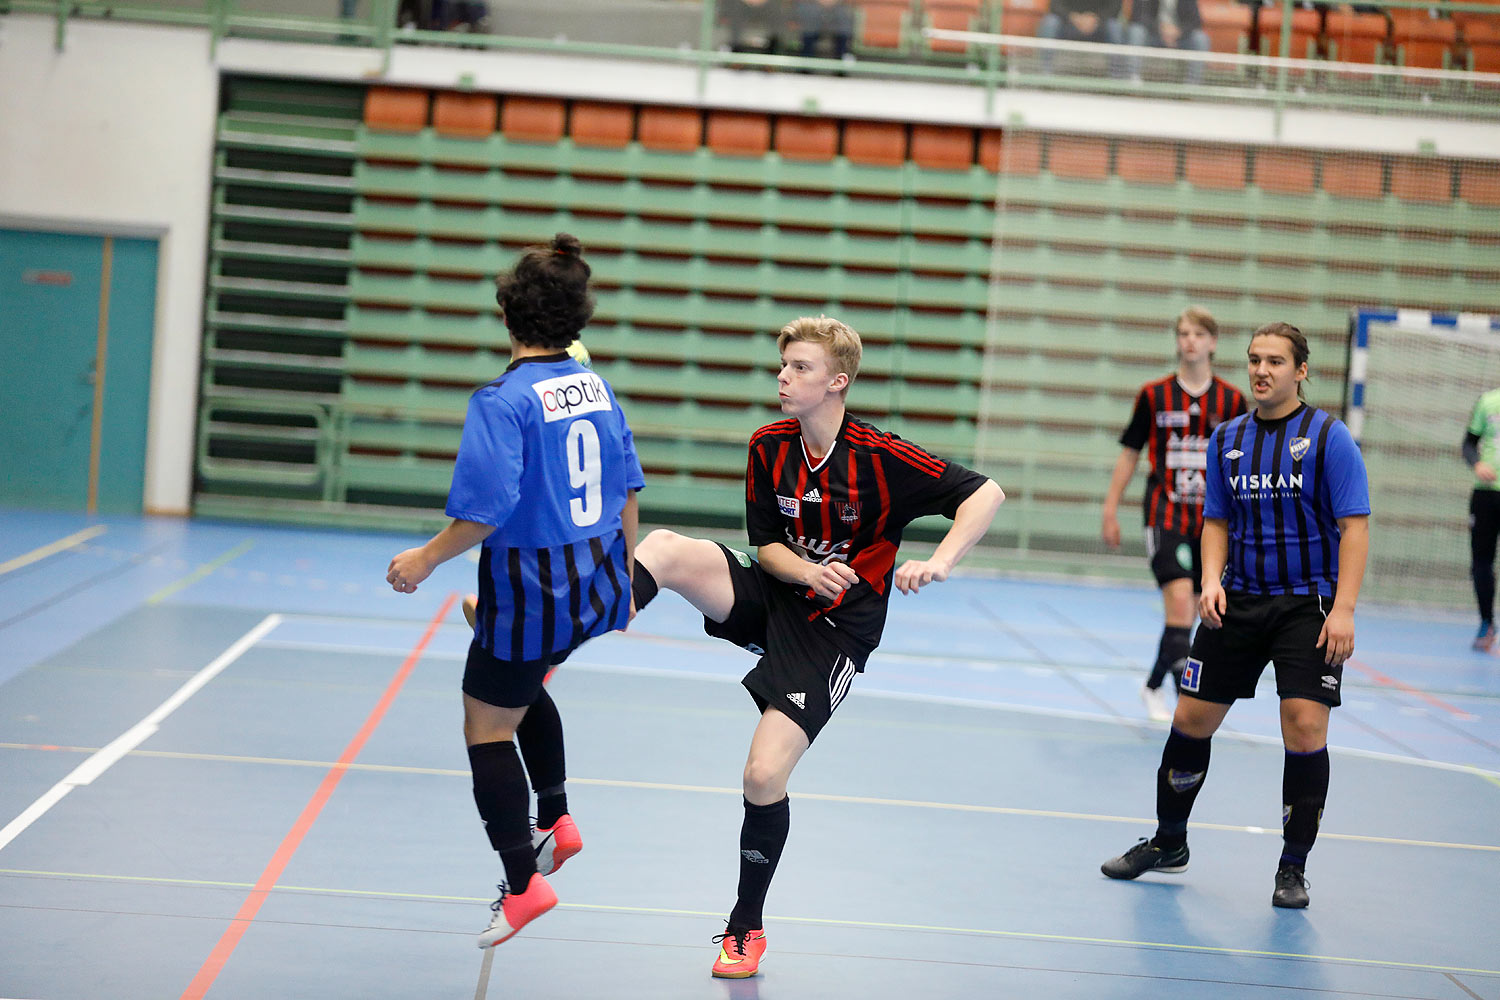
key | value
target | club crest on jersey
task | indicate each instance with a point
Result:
(847, 512)
(570, 395)
(790, 506)
(1299, 447)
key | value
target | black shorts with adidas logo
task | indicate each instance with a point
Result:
(1226, 663)
(806, 667)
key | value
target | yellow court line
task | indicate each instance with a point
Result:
(658, 786)
(811, 921)
(62, 544)
(199, 573)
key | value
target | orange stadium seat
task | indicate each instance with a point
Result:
(396, 109)
(677, 130)
(1228, 26)
(598, 124)
(1078, 157)
(1008, 152)
(1144, 162)
(532, 119)
(1356, 38)
(1306, 27)
(881, 24)
(942, 147)
(876, 144)
(799, 138)
(1479, 183)
(1285, 171)
(1421, 180)
(1220, 168)
(1352, 176)
(1481, 35)
(739, 133)
(1021, 17)
(953, 15)
(1422, 41)
(465, 116)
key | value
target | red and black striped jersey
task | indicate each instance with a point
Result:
(850, 505)
(1172, 426)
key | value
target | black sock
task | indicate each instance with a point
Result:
(1173, 649)
(1184, 762)
(762, 836)
(540, 736)
(501, 795)
(1304, 790)
(1484, 591)
(643, 586)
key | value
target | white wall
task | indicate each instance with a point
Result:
(115, 135)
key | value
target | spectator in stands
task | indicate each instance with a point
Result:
(460, 15)
(1082, 21)
(753, 24)
(820, 19)
(1167, 24)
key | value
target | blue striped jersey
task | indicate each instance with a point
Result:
(548, 459)
(1282, 485)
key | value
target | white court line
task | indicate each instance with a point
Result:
(52, 549)
(102, 759)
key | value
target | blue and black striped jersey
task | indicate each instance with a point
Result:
(1282, 485)
(548, 458)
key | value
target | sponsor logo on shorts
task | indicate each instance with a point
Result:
(1299, 447)
(741, 558)
(569, 395)
(1330, 682)
(812, 496)
(1185, 556)
(790, 506)
(1236, 453)
(798, 698)
(1192, 674)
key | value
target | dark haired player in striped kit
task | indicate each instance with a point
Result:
(1172, 420)
(826, 499)
(546, 478)
(1285, 537)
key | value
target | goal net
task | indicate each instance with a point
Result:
(1414, 377)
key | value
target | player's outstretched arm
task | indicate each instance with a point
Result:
(970, 522)
(411, 567)
(1337, 637)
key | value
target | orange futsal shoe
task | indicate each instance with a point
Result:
(739, 954)
(471, 608)
(513, 911)
(556, 844)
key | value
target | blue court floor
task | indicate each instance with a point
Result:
(232, 768)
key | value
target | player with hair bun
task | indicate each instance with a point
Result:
(545, 479)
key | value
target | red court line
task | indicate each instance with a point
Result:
(1391, 682)
(217, 958)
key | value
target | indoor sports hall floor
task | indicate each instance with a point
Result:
(232, 767)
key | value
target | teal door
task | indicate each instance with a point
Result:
(74, 389)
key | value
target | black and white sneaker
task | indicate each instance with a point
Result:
(1145, 857)
(1291, 888)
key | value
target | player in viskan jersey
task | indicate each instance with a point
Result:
(1285, 538)
(826, 499)
(545, 478)
(1172, 420)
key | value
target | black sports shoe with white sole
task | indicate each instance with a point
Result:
(1145, 857)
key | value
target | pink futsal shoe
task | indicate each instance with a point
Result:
(739, 954)
(513, 911)
(556, 844)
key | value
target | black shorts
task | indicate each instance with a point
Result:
(1174, 557)
(805, 667)
(506, 683)
(1226, 663)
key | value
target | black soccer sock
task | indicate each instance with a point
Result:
(762, 836)
(540, 737)
(1176, 643)
(642, 586)
(500, 793)
(1484, 591)
(1184, 762)
(1304, 790)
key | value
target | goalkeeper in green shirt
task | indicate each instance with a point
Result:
(1482, 451)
